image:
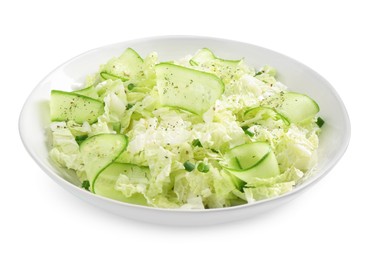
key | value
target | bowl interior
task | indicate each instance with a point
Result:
(35, 115)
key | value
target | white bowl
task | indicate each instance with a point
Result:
(334, 138)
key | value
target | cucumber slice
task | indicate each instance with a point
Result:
(99, 151)
(128, 65)
(202, 56)
(238, 183)
(65, 106)
(258, 113)
(88, 92)
(205, 55)
(106, 181)
(224, 69)
(253, 160)
(267, 167)
(297, 107)
(245, 156)
(188, 89)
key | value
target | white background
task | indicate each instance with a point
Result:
(40, 220)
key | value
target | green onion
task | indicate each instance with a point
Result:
(258, 73)
(79, 139)
(131, 86)
(202, 167)
(129, 106)
(196, 142)
(247, 132)
(85, 185)
(189, 166)
(320, 122)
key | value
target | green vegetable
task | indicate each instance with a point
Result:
(295, 107)
(88, 91)
(196, 143)
(99, 151)
(129, 64)
(266, 74)
(108, 178)
(203, 167)
(188, 89)
(252, 160)
(196, 133)
(257, 114)
(227, 70)
(131, 86)
(129, 106)
(205, 55)
(247, 132)
(65, 106)
(116, 127)
(189, 166)
(80, 138)
(320, 122)
(85, 185)
(258, 73)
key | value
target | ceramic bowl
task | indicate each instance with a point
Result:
(334, 139)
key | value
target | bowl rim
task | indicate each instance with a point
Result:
(303, 186)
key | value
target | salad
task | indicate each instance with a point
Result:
(195, 133)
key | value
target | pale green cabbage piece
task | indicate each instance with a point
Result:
(161, 139)
(65, 151)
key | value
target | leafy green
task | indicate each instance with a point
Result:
(178, 155)
(85, 185)
(202, 167)
(320, 122)
(189, 166)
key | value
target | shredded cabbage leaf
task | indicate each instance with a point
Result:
(162, 139)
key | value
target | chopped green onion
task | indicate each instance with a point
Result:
(80, 138)
(202, 167)
(189, 166)
(129, 106)
(320, 122)
(247, 132)
(131, 86)
(85, 185)
(258, 73)
(196, 142)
